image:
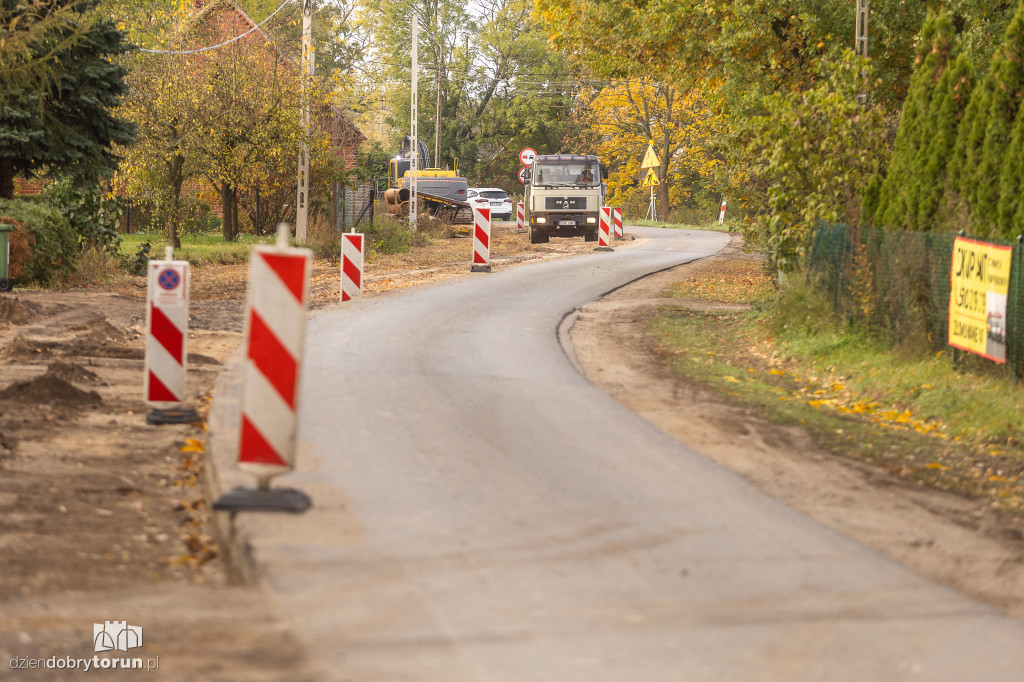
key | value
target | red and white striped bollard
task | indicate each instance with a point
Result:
(604, 230)
(351, 265)
(617, 220)
(481, 240)
(167, 341)
(275, 333)
(520, 217)
(721, 214)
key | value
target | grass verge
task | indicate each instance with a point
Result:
(916, 415)
(198, 249)
(713, 226)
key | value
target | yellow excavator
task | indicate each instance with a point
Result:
(439, 192)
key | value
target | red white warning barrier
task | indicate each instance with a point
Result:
(520, 217)
(617, 221)
(166, 332)
(275, 331)
(481, 240)
(603, 238)
(351, 265)
(721, 215)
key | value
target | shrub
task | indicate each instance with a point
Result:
(54, 245)
(392, 236)
(92, 211)
(817, 151)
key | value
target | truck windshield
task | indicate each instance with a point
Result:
(567, 174)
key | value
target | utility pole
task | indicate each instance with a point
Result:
(437, 121)
(306, 70)
(414, 151)
(861, 39)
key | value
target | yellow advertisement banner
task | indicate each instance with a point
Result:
(979, 279)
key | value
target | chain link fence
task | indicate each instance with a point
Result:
(897, 285)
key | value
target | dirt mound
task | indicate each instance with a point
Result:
(20, 348)
(49, 388)
(16, 311)
(98, 333)
(73, 373)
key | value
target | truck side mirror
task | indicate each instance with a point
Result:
(604, 173)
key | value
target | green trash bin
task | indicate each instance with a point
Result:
(6, 283)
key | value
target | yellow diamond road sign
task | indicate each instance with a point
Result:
(650, 158)
(651, 180)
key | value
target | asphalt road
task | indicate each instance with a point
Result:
(482, 512)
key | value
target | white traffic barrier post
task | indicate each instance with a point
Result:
(617, 220)
(721, 214)
(604, 230)
(275, 332)
(167, 341)
(351, 265)
(520, 217)
(481, 240)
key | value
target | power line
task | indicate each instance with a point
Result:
(220, 45)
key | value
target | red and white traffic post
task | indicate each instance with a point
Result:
(275, 333)
(604, 230)
(617, 221)
(167, 341)
(351, 265)
(721, 214)
(520, 217)
(481, 240)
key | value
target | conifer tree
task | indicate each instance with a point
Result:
(949, 103)
(70, 127)
(1007, 70)
(1009, 216)
(899, 198)
(962, 172)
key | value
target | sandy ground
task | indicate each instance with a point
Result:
(103, 518)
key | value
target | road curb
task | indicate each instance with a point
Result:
(223, 473)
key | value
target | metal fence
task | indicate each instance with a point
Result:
(897, 284)
(349, 202)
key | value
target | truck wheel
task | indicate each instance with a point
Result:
(590, 235)
(538, 236)
(6, 284)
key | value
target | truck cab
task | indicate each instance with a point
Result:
(566, 194)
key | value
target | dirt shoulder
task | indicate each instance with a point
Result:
(955, 540)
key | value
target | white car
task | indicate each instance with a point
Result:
(493, 198)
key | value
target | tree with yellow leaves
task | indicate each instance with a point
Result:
(629, 115)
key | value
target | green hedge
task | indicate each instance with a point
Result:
(55, 246)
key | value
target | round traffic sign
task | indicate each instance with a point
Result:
(527, 156)
(522, 174)
(168, 279)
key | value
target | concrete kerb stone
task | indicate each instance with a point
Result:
(222, 472)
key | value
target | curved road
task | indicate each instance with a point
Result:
(483, 513)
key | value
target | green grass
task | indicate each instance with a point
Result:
(915, 414)
(677, 226)
(198, 249)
